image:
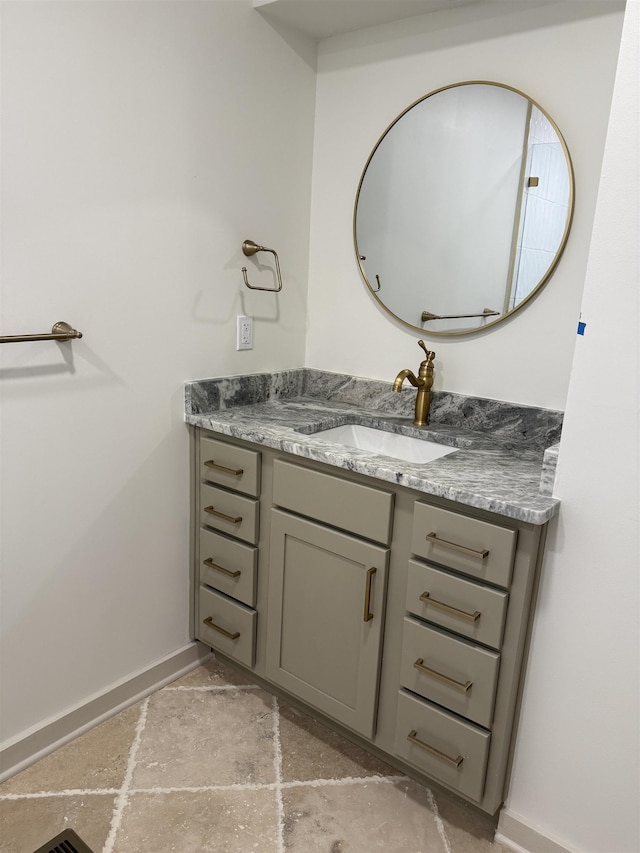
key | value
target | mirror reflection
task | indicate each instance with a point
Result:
(463, 208)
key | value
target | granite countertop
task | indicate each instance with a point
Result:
(505, 459)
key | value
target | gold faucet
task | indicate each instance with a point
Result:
(423, 383)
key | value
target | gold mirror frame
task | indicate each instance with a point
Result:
(552, 266)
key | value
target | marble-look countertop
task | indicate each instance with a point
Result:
(505, 458)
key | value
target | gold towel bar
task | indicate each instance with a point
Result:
(250, 248)
(427, 315)
(59, 332)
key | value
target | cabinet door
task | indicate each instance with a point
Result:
(326, 613)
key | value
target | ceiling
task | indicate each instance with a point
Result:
(323, 18)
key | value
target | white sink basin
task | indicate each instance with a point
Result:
(388, 443)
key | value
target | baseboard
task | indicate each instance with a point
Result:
(18, 754)
(516, 834)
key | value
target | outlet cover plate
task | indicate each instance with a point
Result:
(244, 332)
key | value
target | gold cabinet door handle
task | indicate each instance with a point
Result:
(440, 676)
(413, 737)
(425, 598)
(209, 562)
(211, 624)
(235, 471)
(367, 615)
(233, 519)
(453, 546)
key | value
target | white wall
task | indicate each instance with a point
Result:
(576, 775)
(142, 142)
(562, 55)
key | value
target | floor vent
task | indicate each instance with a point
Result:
(67, 842)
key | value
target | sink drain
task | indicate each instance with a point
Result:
(67, 842)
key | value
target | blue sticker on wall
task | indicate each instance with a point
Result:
(581, 328)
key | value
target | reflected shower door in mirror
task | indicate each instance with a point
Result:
(463, 208)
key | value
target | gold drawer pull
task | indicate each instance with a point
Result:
(469, 552)
(235, 471)
(211, 624)
(209, 562)
(212, 511)
(367, 615)
(419, 665)
(425, 598)
(413, 737)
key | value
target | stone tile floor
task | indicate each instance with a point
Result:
(214, 763)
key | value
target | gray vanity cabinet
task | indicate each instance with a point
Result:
(326, 615)
(327, 591)
(400, 618)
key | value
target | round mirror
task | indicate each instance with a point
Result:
(463, 208)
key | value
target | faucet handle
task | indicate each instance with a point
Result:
(429, 353)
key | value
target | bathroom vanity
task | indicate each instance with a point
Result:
(393, 599)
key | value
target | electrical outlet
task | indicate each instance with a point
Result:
(244, 332)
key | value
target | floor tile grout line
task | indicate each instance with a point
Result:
(277, 761)
(194, 789)
(123, 796)
(214, 688)
(438, 820)
(347, 780)
(71, 792)
(271, 786)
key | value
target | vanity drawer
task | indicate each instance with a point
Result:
(475, 611)
(226, 625)
(455, 674)
(445, 747)
(227, 465)
(349, 506)
(229, 512)
(228, 566)
(468, 545)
